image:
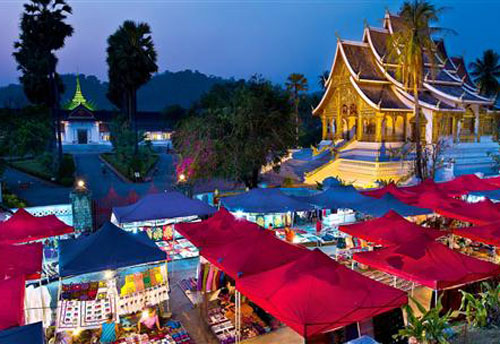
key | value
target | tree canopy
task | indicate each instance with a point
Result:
(235, 129)
(486, 73)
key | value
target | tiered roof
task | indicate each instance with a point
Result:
(447, 84)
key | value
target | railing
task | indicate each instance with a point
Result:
(467, 138)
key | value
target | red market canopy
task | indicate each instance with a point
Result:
(429, 263)
(487, 234)
(403, 195)
(12, 302)
(466, 183)
(314, 294)
(21, 260)
(390, 229)
(238, 247)
(479, 213)
(24, 227)
(219, 229)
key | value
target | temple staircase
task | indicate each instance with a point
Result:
(362, 164)
(473, 157)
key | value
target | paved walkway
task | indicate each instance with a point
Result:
(88, 167)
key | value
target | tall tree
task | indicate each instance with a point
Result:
(486, 73)
(236, 129)
(322, 78)
(296, 84)
(407, 47)
(131, 63)
(43, 32)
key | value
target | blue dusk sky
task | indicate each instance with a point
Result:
(238, 38)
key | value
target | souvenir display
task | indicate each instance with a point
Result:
(135, 302)
(172, 333)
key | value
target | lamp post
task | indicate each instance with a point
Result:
(81, 207)
(184, 185)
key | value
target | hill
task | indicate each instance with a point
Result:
(164, 89)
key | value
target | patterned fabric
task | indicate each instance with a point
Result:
(108, 334)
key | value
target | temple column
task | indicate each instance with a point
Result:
(454, 129)
(379, 118)
(477, 127)
(405, 130)
(359, 127)
(324, 128)
(338, 127)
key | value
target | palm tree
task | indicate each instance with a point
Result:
(296, 84)
(486, 72)
(322, 78)
(407, 47)
(43, 32)
(131, 63)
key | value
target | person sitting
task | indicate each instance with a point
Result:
(109, 330)
(289, 234)
(149, 319)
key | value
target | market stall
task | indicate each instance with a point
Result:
(23, 227)
(157, 214)
(281, 277)
(479, 241)
(390, 229)
(266, 206)
(430, 264)
(12, 302)
(134, 284)
(480, 213)
(28, 334)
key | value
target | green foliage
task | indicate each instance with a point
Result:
(41, 167)
(24, 132)
(234, 130)
(124, 158)
(296, 85)
(428, 328)
(483, 309)
(486, 73)
(12, 201)
(43, 32)
(131, 58)
(406, 47)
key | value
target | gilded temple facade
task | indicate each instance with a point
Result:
(365, 111)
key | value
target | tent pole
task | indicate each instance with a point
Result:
(58, 304)
(359, 329)
(412, 288)
(435, 298)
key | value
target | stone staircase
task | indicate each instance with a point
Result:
(473, 157)
(362, 164)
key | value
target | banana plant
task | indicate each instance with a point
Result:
(428, 328)
(482, 309)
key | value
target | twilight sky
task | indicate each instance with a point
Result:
(238, 37)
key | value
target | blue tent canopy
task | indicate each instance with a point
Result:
(338, 197)
(109, 248)
(491, 194)
(29, 334)
(264, 201)
(378, 207)
(165, 205)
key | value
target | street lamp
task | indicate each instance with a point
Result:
(182, 178)
(80, 184)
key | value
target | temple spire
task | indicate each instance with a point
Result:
(78, 98)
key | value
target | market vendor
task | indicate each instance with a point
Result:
(149, 319)
(109, 330)
(289, 234)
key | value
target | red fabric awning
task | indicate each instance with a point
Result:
(24, 227)
(487, 234)
(406, 196)
(464, 184)
(315, 294)
(308, 291)
(479, 213)
(390, 229)
(17, 260)
(429, 263)
(12, 302)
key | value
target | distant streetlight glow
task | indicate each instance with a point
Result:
(182, 177)
(80, 183)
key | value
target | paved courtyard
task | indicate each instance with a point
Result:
(88, 167)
